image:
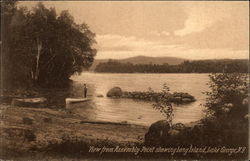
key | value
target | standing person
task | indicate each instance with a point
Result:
(85, 90)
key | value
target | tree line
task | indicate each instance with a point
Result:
(41, 47)
(199, 66)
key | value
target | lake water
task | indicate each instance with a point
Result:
(134, 111)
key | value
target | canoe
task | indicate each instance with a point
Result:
(29, 102)
(76, 100)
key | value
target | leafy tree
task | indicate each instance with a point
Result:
(12, 68)
(45, 48)
(164, 105)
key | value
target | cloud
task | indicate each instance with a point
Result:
(117, 46)
(156, 33)
(215, 26)
(117, 42)
(188, 29)
(122, 46)
(226, 34)
(165, 33)
(123, 17)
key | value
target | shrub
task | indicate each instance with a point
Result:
(227, 95)
(164, 105)
(227, 103)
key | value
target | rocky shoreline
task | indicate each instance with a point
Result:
(176, 97)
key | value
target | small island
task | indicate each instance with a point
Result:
(176, 97)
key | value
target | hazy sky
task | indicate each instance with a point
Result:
(187, 29)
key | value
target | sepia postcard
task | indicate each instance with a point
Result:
(124, 80)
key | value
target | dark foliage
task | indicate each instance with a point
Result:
(199, 66)
(42, 48)
(227, 103)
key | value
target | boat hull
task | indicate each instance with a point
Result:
(76, 100)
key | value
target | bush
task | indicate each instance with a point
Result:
(227, 103)
(228, 90)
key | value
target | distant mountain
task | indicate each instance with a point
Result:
(142, 60)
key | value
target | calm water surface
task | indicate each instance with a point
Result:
(134, 111)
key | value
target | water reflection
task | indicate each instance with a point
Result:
(138, 112)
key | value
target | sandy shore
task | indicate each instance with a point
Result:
(42, 130)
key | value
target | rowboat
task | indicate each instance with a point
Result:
(76, 100)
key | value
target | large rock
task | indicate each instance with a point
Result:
(192, 125)
(157, 132)
(161, 134)
(115, 92)
(29, 102)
